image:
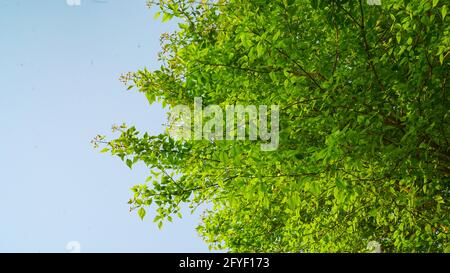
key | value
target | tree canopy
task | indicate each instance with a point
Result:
(363, 150)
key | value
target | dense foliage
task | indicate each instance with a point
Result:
(364, 150)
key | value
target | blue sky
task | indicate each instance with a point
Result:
(59, 87)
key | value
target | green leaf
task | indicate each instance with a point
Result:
(428, 228)
(260, 49)
(439, 199)
(410, 40)
(398, 37)
(129, 163)
(166, 17)
(447, 249)
(435, 2)
(141, 213)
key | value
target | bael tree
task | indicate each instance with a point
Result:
(363, 149)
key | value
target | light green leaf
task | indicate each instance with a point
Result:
(141, 213)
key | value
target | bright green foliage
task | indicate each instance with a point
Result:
(364, 150)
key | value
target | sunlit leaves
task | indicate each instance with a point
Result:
(363, 152)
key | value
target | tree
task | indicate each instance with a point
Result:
(363, 149)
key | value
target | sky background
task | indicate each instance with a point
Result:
(59, 87)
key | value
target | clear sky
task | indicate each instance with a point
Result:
(59, 87)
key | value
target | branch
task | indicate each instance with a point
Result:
(367, 47)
